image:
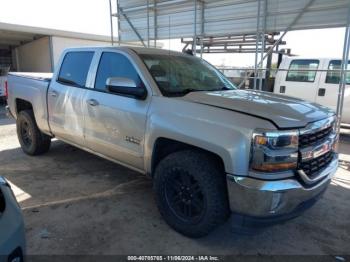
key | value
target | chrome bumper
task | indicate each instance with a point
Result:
(263, 198)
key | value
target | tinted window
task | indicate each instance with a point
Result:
(75, 68)
(115, 65)
(333, 77)
(303, 75)
(176, 75)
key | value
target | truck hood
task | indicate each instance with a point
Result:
(282, 111)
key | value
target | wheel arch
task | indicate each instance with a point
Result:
(164, 146)
(22, 104)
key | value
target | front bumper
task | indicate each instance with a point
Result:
(271, 199)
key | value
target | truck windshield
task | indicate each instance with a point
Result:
(179, 75)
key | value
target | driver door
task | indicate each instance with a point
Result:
(115, 124)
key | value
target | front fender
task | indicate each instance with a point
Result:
(222, 132)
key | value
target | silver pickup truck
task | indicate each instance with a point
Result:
(211, 149)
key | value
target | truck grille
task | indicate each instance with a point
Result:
(312, 139)
(315, 138)
(312, 167)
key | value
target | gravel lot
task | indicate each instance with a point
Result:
(76, 203)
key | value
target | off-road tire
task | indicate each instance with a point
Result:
(32, 140)
(210, 179)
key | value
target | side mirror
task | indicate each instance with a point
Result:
(125, 86)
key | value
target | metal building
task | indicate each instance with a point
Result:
(34, 49)
(208, 22)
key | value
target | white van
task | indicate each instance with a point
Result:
(316, 86)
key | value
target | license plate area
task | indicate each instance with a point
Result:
(310, 153)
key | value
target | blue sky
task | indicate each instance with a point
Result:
(92, 16)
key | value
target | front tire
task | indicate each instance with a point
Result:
(191, 192)
(32, 140)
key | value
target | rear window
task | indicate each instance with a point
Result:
(75, 68)
(303, 75)
(333, 77)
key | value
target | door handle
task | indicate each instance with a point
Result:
(282, 89)
(321, 92)
(54, 93)
(93, 102)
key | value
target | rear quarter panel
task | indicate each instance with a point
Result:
(33, 90)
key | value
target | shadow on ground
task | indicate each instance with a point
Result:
(82, 204)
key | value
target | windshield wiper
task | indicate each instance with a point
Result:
(184, 92)
(68, 82)
(190, 90)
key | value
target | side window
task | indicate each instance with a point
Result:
(303, 75)
(333, 77)
(115, 65)
(75, 68)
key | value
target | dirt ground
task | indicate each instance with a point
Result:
(76, 203)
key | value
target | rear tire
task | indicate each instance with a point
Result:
(191, 192)
(32, 140)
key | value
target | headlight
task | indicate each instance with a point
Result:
(274, 151)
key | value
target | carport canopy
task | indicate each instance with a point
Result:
(140, 20)
(13, 35)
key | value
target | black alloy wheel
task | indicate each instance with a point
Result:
(185, 197)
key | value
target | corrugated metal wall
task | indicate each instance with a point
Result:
(175, 18)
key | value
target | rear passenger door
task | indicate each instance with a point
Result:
(329, 84)
(66, 97)
(115, 124)
(301, 80)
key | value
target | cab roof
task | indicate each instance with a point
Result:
(138, 50)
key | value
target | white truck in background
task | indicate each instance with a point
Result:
(316, 86)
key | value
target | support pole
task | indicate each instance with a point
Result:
(111, 21)
(263, 44)
(118, 16)
(268, 71)
(194, 46)
(343, 71)
(132, 27)
(202, 27)
(148, 23)
(257, 44)
(155, 22)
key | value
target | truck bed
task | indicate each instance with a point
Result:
(32, 75)
(33, 88)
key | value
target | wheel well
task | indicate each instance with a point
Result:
(164, 146)
(23, 105)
